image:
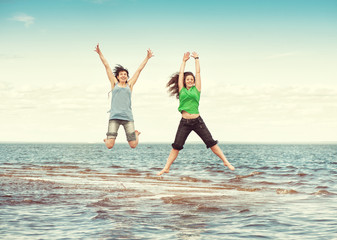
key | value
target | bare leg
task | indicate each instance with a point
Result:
(109, 143)
(173, 155)
(133, 144)
(216, 149)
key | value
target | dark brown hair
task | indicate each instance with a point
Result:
(172, 84)
(118, 69)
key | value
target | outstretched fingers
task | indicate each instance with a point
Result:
(149, 53)
(195, 55)
(186, 56)
(97, 49)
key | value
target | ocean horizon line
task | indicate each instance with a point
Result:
(187, 143)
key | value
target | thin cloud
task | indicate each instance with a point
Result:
(281, 55)
(236, 111)
(24, 18)
(51, 98)
(9, 56)
(272, 103)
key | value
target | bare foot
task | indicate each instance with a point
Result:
(137, 132)
(109, 143)
(163, 171)
(230, 166)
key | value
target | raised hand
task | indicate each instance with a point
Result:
(195, 55)
(149, 54)
(186, 56)
(97, 49)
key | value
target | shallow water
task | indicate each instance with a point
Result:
(84, 191)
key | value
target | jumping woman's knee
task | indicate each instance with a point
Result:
(177, 147)
(211, 143)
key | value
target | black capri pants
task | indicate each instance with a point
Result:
(197, 125)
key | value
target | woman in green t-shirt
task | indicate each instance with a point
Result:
(187, 87)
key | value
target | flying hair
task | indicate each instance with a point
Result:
(172, 84)
(119, 68)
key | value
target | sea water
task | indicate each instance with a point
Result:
(85, 191)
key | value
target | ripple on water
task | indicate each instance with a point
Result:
(110, 196)
(324, 192)
(286, 191)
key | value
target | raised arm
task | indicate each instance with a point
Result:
(134, 78)
(182, 70)
(197, 71)
(113, 80)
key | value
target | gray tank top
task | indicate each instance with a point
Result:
(121, 103)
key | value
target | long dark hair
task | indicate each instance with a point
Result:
(172, 84)
(119, 68)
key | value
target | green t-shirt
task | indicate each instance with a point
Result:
(189, 100)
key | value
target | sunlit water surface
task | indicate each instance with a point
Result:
(84, 191)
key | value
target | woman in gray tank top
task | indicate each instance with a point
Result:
(121, 111)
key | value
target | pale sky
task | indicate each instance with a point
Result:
(268, 68)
